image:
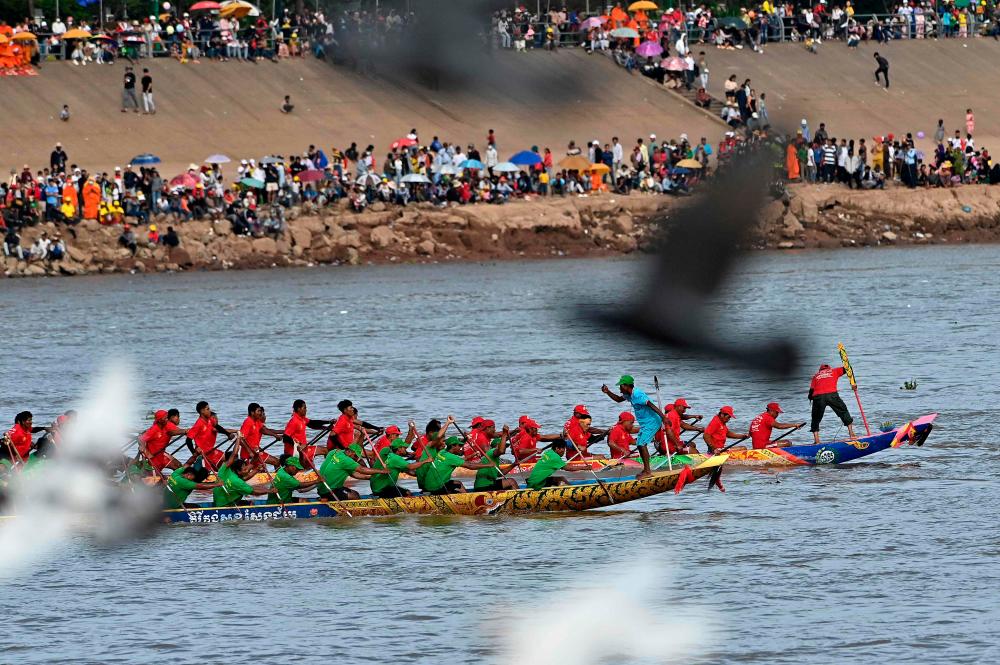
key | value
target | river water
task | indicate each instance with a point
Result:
(892, 559)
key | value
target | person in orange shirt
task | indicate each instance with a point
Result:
(69, 192)
(17, 440)
(620, 439)
(204, 432)
(718, 430)
(154, 441)
(91, 199)
(294, 435)
(252, 430)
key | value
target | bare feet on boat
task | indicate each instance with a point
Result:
(643, 474)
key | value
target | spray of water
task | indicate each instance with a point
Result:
(70, 493)
(634, 625)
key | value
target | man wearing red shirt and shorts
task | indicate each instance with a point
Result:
(204, 432)
(677, 416)
(762, 425)
(718, 430)
(295, 433)
(252, 430)
(620, 439)
(153, 442)
(17, 440)
(577, 432)
(823, 393)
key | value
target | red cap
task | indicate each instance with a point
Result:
(728, 410)
(477, 421)
(528, 422)
(681, 402)
(61, 419)
(581, 409)
(160, 415)
(626, 416)
(392, 429)
(523, 419)
(773, 406)
(488, 423)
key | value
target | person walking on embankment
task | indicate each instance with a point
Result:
(883, 69)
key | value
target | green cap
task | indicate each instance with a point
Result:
(452, 441)
(626, 380)
(358, 450)
(293, 461)
(398, 443)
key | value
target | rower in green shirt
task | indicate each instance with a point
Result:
(386, 486)
(182, 482)
(285, 483)
(233, 476)
(550, 462)
(488, 479)
(338, 466)
(437, 476)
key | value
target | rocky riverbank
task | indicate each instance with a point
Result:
(812, 216)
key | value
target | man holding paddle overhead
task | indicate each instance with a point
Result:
(718, 430)
(823, 393)
(294, 435)
(762, 425)
(649, 417)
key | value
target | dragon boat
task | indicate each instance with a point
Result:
(511, 502)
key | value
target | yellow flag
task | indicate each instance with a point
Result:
(847, 364)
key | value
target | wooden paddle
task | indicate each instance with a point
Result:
(770, 443)
(659, 405)
(484, 454)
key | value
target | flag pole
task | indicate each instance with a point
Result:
(854, 385)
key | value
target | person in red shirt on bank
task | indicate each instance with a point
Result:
(294, 435)
(204, 432)
(252, 430)
(823, 393)
(154, 441)
(677, 416)
(620, 439)
(718, 430)
(17, 440)
(761, 426)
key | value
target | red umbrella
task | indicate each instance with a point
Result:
(405, 142)
(311, 175)
(204, 5)
(185, 180)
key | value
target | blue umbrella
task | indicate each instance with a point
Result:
(526, 158)
(144, 159)
(252, 182)
(471, 164)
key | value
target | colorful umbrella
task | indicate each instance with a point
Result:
(642, 5)
(76, 33)
(404, 142)
(674, 64)
(600, 168)
(593, 22)
(185, 180)
(368, 179)
(24, 37)
(689, 164)
(471, 164)
(311, 175)
(238, 9)
(575, 163)
(624, 33)
(252, 182)
(217, 159)
(144, 159)
(3, 39)
(526, 158)
(204, 5)
(649, 49)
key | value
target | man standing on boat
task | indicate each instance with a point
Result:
(761, 426)
(823, 393)
(294, 435)
(648, 416)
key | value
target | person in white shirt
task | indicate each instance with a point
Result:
(617, 153)
(58, 27)
(492, 159)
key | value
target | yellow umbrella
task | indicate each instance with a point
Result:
(24, 37)
(237, 9)
(689, 164)
(599, 168)
(575, 163)
(76, 33)
(3, 39)
(642, 5)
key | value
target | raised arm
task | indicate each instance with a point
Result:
(615, 396)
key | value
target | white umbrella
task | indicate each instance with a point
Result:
(217, 159)
(506, 167)
(364, 180)
(448, 169)
(416, 178)
(271, 160)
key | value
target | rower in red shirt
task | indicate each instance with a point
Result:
(204, 432)
(433, 432)
(718, 430)
(676, 417)
(348, 429)
(154, 441)
(294, 435)
(390, 434)
(620, 439)
(252, 430)
(761, 426)
(577, 431)
(524, 444)
(823, 393)
(481, 435)
(17, 440)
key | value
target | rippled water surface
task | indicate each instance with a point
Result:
(893, 559)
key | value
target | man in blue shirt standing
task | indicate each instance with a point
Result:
(647, 415)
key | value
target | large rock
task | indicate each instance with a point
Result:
(180, 257)
(264, 246)
(772, 213)
(425, 247)
(623, 224)
(792, 226)
(78, 254)
(382, 237)
(301, 237)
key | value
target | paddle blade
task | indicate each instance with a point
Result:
(715, 479)
(686, 475)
